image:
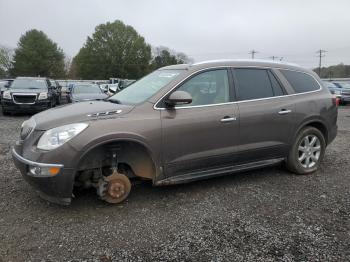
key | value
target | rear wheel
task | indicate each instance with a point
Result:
(307, 151)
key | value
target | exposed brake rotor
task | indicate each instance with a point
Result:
(115, 188)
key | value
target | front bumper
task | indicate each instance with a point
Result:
(10, 106)
(57, 189)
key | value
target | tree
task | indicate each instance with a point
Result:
(114, 50)
(164, 56)
(335, 71)
(36, 55)
(6, 55)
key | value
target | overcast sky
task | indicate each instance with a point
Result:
(203, 29)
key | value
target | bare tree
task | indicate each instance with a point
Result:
(6, 56)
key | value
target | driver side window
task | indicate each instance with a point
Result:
(211, 87)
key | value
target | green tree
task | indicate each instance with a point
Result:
(335, 71)
(36, 55)
(164, 59)
(114, 50)
(163, 56)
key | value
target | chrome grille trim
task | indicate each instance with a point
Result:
(34, 95)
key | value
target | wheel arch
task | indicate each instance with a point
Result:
(134, 152)
(317, 123)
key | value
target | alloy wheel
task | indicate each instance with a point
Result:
(309, 151)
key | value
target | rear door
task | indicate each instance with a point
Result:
(266, 114)
(204, 134)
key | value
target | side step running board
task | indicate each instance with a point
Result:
(193, 176)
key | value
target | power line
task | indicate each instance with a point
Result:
(253, 52)
(321, 54)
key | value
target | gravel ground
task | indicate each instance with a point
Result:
(263, 215)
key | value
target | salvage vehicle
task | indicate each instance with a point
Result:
(28, 94)
(179, 124)
(85, 92)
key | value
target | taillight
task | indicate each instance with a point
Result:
(336, 101)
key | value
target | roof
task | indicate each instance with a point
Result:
(237, 63)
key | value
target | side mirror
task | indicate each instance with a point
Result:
(179, 98)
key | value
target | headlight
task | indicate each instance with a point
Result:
(6, 95)
(42, 96)
(337, 92)
(56, 137)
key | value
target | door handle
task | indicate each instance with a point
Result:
(284, 112)
(228, 119)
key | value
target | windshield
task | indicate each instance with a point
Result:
(86, 89)
(29, 84)
(146, 87)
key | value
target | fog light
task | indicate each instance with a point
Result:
(35, 170)
(44, 171)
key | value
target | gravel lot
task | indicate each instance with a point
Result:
(261, 215)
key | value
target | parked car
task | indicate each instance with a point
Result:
(104, 88)
(125, 83)
(344, 88)
(56, 90)
(28, 94)
(85, 92)
(64, 87)
(112, 89)
(179, 124)
(4, 85)
(335, 91)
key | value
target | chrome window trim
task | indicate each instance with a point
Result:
(237, 102)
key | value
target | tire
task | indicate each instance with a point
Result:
(304, 157)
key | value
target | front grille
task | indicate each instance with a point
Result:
(24, 99)
(345, 92)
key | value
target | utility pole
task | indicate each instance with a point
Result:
(320, 54)
(273, 57)
(253, 52)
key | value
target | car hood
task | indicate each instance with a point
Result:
(79, 112)
(27, 90)
(86, 97)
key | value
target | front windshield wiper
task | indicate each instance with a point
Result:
(115, 101)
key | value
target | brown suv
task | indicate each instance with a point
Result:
(179, 124)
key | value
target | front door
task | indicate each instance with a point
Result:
(204, 134)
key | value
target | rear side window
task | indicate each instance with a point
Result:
(300, 82)
(253, 83)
